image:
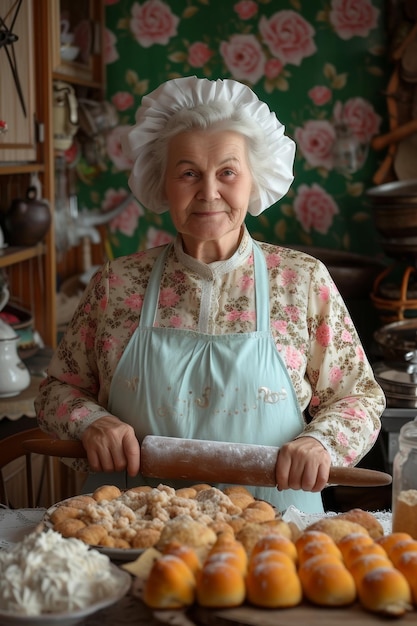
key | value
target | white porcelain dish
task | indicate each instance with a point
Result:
(69, 53)
(121, 587)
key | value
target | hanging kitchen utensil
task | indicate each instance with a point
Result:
(65, 115)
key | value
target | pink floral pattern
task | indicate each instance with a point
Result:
(353, 18)
(319, 66)
(338, 389)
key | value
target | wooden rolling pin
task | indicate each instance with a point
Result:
(210, 461)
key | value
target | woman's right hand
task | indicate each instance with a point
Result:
(111, 446)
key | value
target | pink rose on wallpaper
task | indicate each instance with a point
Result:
(127, 221)
(315, 140)
(122, 100)
(359, 116)
(153, 23)
(110, 54)
(156, 237)
(244, 57)
(320, 95)
(246, 9)
(198, 54)
(114, 148)
(314, 208)
(289, 36)
(352, 18)
(273, 68)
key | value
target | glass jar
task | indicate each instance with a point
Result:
(404, 484)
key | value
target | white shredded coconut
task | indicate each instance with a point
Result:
(46, 573)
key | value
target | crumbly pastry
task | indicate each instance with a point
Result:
(337, 528)
(143, 516)
(365, 519)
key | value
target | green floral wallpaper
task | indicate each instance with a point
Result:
(321, 65)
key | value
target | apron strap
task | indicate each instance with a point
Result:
(150, 300)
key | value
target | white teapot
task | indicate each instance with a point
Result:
(14, 375)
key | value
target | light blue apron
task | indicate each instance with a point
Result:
(231, 387)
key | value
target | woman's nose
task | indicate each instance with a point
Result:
(209, 189)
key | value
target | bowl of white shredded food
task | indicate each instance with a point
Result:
(47, 580)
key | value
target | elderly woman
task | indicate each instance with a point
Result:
(215, 336)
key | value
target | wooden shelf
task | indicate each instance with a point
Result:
(14, 254)
(20, 168)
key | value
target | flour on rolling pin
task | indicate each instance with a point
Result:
(208, 461)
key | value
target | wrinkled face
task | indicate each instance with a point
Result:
(208, 185)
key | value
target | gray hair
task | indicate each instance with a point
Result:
(214, 116)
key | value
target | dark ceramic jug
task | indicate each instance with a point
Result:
(28, 220)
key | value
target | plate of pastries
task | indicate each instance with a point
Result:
(205, 548)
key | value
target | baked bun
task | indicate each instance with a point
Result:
(385, 590)
(251, 532)
(407, 545)
(186, 553)
(313, 542)
(407, 565)
(326, 581)
(352, 540)
(366, 563)
(365, 519)
(387, 541)
(272, 581)
(337, 528)
(220, 585)
(230, 551)
(106, 492)
(360, 550)
(184, 529)
(273, 541)
(170, 584)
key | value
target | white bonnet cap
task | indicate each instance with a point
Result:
(174, 95)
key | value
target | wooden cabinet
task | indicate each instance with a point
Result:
(28, 146)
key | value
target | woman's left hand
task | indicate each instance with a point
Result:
(302, 464)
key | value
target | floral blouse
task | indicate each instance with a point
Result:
(310, 324)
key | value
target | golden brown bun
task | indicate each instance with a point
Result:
(230, 551)
(365, 519)
(337, 528)
(93, 534)
(315, 542)
(365, 563)
(407, 545)
(251, 532)
(407, 565)
(69, 527)
(259, 511)
(145, 538)
(352, 540)
(385, 590)
(186, 553)
(272, 581)
(106, 492)
(363, 550)
(387, 541)
(220, 584)
(188, 531)
(170, 584)
(239, 495)
(326, 581)
(273, 541)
